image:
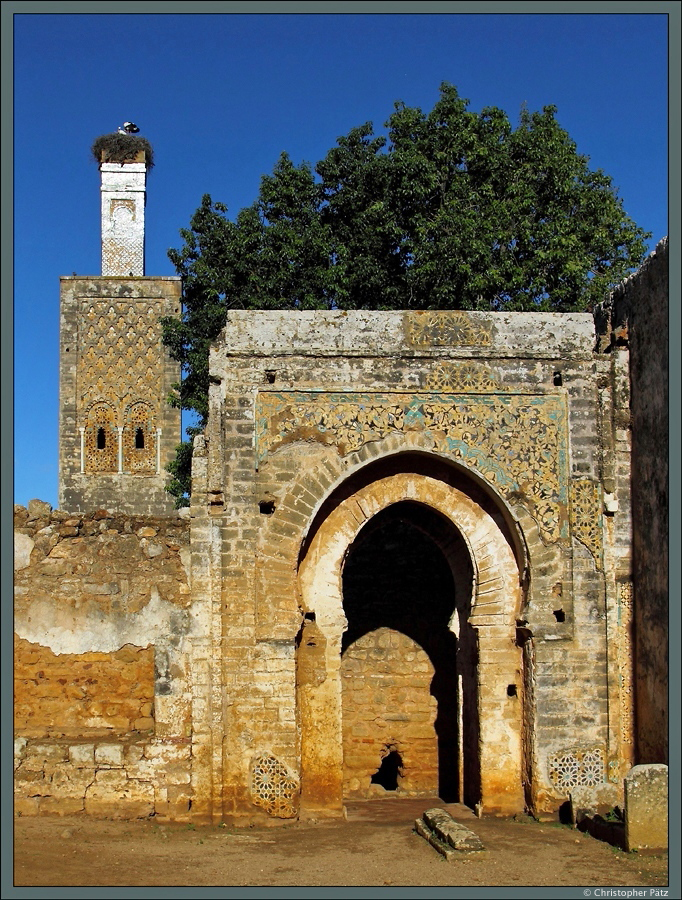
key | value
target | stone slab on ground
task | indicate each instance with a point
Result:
(444, 834)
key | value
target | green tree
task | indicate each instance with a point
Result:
(451, 210)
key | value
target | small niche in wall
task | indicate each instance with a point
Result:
(511, 690)
(266, 507)
(557, 378)
(559, 615)
(270, 376)
(139, 439)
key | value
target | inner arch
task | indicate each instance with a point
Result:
(407, 579)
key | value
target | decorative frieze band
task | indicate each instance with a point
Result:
(517, 442)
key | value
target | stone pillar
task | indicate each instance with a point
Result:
(319, 701)
(123, 199)
(500, 716)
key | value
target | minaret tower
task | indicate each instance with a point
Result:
(116, 429)
(123, 192)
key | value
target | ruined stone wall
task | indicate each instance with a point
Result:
(637, 316)
(500, 440)
(73, 693)
(102, 616)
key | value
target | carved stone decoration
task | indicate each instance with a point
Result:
(100, 439)
(625, 660)
(274, 787)
(516, 442)
(139, 439)
(586, 519)
(576, 766)
(463, 377)
(121, 358)
(446, 329)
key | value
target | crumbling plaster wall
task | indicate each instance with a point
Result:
(102, 617)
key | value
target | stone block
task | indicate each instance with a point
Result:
(41, 753)
(594, 800)
(61, 806)
(445, 835)
(114, 796)
(38, 509)
(646, 808)
(82, 755)
(26, 806)
(109, 755)
(70, 783)
(23, 546)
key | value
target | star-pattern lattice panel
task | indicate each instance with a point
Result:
(586, 517)
(462, 378)
(139, 440)
(517, 442)
(576, 766)
(273, 787)
(625, 661)
(100, 439)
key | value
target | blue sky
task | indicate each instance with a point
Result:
(221, 96)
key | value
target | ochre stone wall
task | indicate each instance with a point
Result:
(473, 469)
(387, 704)
(127, 778)
(102, 715)
(77, 693)
(520, 414)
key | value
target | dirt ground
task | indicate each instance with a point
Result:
(375, 846)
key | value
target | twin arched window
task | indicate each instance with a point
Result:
(107, 448)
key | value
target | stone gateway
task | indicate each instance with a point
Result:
(406, 570)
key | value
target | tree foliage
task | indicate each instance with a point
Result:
(451, 210)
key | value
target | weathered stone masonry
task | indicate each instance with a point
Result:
(117, 431)
(636, 317)
(503, 424)
(102, 614)
(407, 566)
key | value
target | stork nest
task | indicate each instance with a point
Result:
(122, 148)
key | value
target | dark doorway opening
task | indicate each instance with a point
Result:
(406, 575)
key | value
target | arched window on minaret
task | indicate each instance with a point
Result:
(100, 440)
(139, 439)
